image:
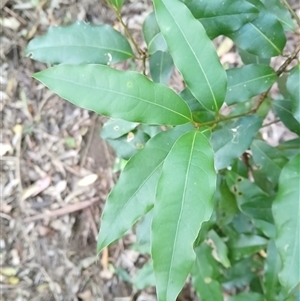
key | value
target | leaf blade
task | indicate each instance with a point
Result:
(125, 95)
(127, 206)
(286, 211)
(177, 215)
(200, 58)
(293, 88)
(221, 17)
(85, 44)
(263, 36)
(248, 81)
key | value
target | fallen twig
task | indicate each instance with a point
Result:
(62, 211)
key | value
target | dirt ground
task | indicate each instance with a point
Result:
(56, 171)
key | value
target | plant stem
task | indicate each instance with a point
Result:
(262, 97)
(293, 13)
(127, 32)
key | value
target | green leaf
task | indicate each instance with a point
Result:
(248, 58)
(220, 250)
(80, 43)
(258, 207)
(246, 245)
(199, 113)
(286, 212)
(161, 67)
(248, 81)
(143, 234)
(271, 269)
(193, 53)
(129, 200)
(220, 17)
(117, 3)
(241, 273)
(180, 210)
(263, 36)
(283, 109)
(226, 207)
(144, 277)
(247, 297)
(118, 94)
(290, 148)
(116, 128)
(128, 145)
(153, 36)
(268, 159)
(204, 273)
(233, 138)
(293, 87)
(281, 12)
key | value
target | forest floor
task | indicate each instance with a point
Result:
(56, 171)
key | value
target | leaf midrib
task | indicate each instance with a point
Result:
(193, 52)
(181, 211)
(79, 46)
(251, 80)
(118, 93)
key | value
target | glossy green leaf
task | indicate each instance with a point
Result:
(143, 234)
(247, 297)
(226, 207)
(246, 245)
(144, 277)
(118, 94)
(249, 58)
(286, 212)
(240, 274)
(233, 138)
(263, 36)
(161, 67)
(248, 81)
(271, 270)
(199, 113)
(153, 36)
(268, 159)
(258, 207)
(193, 53)
(290, 148)
(117, 3)
(80, 43)
(293, 87)
(129, 144)
(116, 128)
(220, 250)
(220, 17)
(204, 273)
(283, 109)
(281, 12)
(180, 210)
(126, 206)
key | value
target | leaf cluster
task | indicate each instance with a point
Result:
(207, 195)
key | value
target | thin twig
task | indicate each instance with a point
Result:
(271, 122)
(288, 60)
(293, 13)
(127, 32)
(89, 140)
